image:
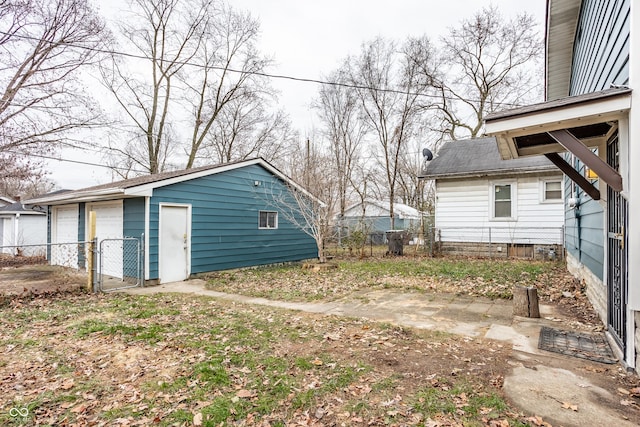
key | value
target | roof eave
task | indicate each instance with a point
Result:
(601, 107)
(561, 27)
(27, 212)
(496, 172)
(77, 197)
(146, 189)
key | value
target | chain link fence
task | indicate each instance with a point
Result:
(72, 254)
(120, 264)
(539, 243)
(499, 242)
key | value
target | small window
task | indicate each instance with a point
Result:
(552, 190)
(268, 219)
(502, 201)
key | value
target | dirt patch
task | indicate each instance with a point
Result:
(39, 279)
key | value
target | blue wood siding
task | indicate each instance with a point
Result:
(601, 49)
(81, 222)
(133, 226)
(600, 59)
(379, 223)
(133, 217)
(584, 238)
(224, 222)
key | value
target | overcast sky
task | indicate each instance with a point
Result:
(309, 39)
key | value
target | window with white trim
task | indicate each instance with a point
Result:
(552, 191)
(502, 200)
(268, 219)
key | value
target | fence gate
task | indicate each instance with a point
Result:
(119, 264)
(617, 239)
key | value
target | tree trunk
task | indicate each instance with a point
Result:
(525, 302)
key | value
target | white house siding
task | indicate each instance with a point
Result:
(6, 237)
(32, 231)
(23, 231)
(463, 212)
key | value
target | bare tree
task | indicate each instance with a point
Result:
(391, 82)
(244, 128)
(129, 157)
(164, 36)
(308, 210)
(339, 109)
(410, 188)
(45, 44)
(488, 63)
(228, 77)
(196, 88)
(29, 185)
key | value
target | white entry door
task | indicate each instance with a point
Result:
(173, 262)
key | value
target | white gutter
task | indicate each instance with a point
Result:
(77, 196)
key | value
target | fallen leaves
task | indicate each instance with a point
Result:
(113, 368)
(538, 421)
(97, 355)
(197, 419)
(246, 394)
(67, 384)
(571, 406)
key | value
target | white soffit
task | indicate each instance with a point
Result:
(562, 24)
(572, 112)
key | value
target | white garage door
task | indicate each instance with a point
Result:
(64, 236)
(109, 224)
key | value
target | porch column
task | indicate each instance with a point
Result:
(632, 187)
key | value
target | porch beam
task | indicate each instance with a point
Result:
(573, 174)
(605, 172)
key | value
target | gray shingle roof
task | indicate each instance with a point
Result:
(122, 185)
(479, 157)
(148, 179)
(19, 208)
(128, 187)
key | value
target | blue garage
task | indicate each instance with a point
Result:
(190, 221)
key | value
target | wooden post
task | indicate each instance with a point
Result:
(525, 302)
(91, 250)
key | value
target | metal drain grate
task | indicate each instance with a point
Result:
(593, 347)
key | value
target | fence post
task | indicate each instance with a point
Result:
(91, 243)
(142, 260)
(490, 244)
(432, 232)
(94, 257)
